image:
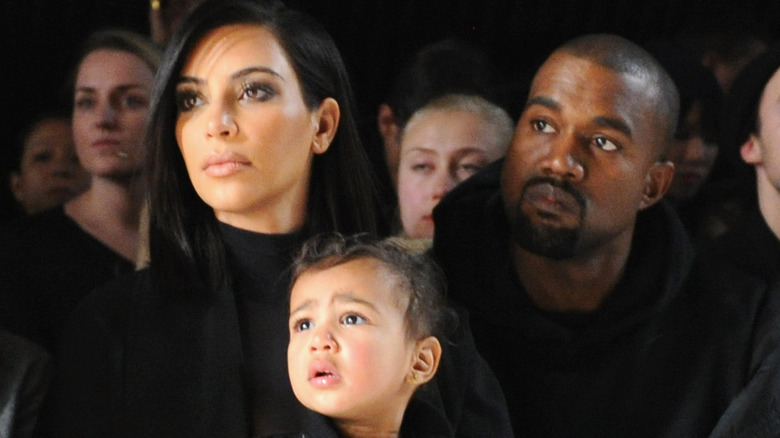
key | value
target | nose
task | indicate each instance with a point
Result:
(221, 122)
(443, 181)
(323, 340)
(694, 149)
(108, 117)
(561, 159)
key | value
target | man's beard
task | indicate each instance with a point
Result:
(555, 242)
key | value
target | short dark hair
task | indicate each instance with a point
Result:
(627, 58)
(415, 274)
(447, 66)
(185, 244)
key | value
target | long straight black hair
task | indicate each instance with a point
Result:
(186, 249)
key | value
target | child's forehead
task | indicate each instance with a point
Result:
(362, 276)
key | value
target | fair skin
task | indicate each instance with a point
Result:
(762, 150)
(350, 356)
(693, 158)
(593, 129)
(246, 136)
(109, 114)
(439, 150)
(49, 172)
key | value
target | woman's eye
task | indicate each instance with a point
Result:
(134, 101)
(83, 103)
(257, 91)
(464, 171)
(186, 101)
(542, 126)
(422, 167)
(353, 319)
(605, 144)
(42, 157)
(303, 325)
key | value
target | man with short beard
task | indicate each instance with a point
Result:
(582, 286)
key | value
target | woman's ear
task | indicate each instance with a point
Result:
(657, 183)
(751, 151)
(326, 124)
(427, 354)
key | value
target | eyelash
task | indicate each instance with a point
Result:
(265, 91)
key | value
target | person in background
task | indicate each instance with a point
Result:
(48, 172)
(582, 286)
(753, 244)
(252, 149)
(50, 260)
(366, 317)
(695, 147)
(448, 66)
(443, 143)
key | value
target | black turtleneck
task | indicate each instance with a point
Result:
(259, 269)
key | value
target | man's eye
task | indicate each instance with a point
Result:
(542, 126)
(353, 319)
(605, 144)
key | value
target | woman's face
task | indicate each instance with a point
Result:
(439, 150)
(246, 136)
(109, 112)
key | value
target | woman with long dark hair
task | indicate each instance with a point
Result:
(253, 148)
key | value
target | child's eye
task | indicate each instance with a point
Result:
(302, 325)
(352, 319)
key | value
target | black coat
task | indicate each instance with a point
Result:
(663, 356)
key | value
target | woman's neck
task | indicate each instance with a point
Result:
(110, 212)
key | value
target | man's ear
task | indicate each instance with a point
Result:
(657, 183)
(326, 120)
(427, 354)
(751, 151)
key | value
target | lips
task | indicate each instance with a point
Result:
(551, 200)
(323, 374)
(225, 164)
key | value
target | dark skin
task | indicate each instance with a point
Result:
(588, 142)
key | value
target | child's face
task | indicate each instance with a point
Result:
(349, 355)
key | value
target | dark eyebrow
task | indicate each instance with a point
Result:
(609, 122)
(543, 101)
(121, 88)
(237, 75)
(613, 123)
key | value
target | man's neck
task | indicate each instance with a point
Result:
(578, 284)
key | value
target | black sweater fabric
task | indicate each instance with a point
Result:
(139, 362)
(47, 264)
(664, 355)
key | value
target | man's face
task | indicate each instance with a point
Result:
(583, 161)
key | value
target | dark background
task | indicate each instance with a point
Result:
(375, 36)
